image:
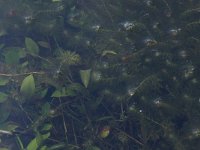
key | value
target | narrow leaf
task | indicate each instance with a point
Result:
(85, 76)
(107, 52)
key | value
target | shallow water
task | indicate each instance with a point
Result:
(99, 74)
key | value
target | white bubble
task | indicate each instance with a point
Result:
(105, 65)
(28, 19)
(157, 101)
(196, 132)
(88, 43)
(194, 81)
(131, 91)
(174, 78)
(124, 71)
(168, 62)
(155, 25)
(96, 27)
(188, 71)
(147, 60)
(183, 54)
(186, 96)
(148, 2)
(157, 54)
(132, 108)
(174, 32)
(150, 42)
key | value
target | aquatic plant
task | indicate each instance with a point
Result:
(99, 74)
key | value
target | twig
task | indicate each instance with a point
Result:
(75, 138)
(20, 74)
(104, 5)
(64, 123)
(130, 137)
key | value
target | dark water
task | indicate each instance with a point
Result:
(100, 75)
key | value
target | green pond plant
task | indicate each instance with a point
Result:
(99, 75)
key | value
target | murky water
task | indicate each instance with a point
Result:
(99, 75)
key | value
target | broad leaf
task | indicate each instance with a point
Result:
(44, 147)
(59, 93)
(4, 148)
(104, 132)
(3, 81)
(4, 112)
(31, 46)
(3, 97)
(71, 90)
(37, 141)
(8, 126)
(33, 145)
(13, 54)
(85, 76)
(28, 86)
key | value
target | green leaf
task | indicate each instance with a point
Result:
(58, 93)
(3, 81)
(40, 93)
(4, 148)
(93, 148)
(37, 141)
(85, 76)
(4, 112)
(8, 126)
(45, 136)
(44, 44)
(13, 54)
(56, 0)
(3, 97)
(71, 90)
(33, 145)
(58, 146)
(1, 46)
(47, 127)
(28, 86)
(31, 46)
(2, 32)
(19, 141)
(46, 108)
(63, 92)
(44, 147)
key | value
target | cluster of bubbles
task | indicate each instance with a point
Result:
(174, 32)
(188, 71)
(128, 25)
(96, 27)
(150, 42)
(96, 76)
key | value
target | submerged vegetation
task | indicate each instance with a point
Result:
(99, 75)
